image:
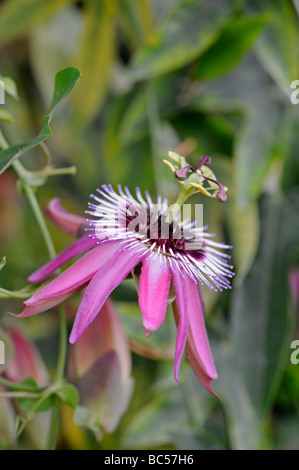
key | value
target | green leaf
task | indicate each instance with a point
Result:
(19, 17)
(95, 59)
(28, 403)
(68, 394)
(28, 385)
(189, 30)
(65, 80)
(11, 154)
(261, 319)
(236, 38)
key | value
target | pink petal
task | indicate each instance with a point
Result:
(198, 333)
(100, 365)
(48, 302)
(105, 335)
(197, 347)
(195, 362)
(26, 361)
(79, 246)
(153, 291)
(64, 220)
(104, 393)
(108, 277)
(179, 284)
(70, 281)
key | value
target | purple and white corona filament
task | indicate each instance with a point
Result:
(123, 234)
(143, 227)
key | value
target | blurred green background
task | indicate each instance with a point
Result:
(200, 77)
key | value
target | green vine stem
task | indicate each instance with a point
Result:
(30, 193)
(24, 387)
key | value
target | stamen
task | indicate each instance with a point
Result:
(181, 174)
(205, 160)
(221, 195)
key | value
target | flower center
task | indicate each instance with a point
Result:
(153, 229)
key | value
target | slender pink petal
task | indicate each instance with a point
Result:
(198, 330)
(79, 246)
(195, 362)
(197, 347)
(183, 325)
(153, 291)
(64, 220)
(70, 281)
(46, 303)
(108, 277)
